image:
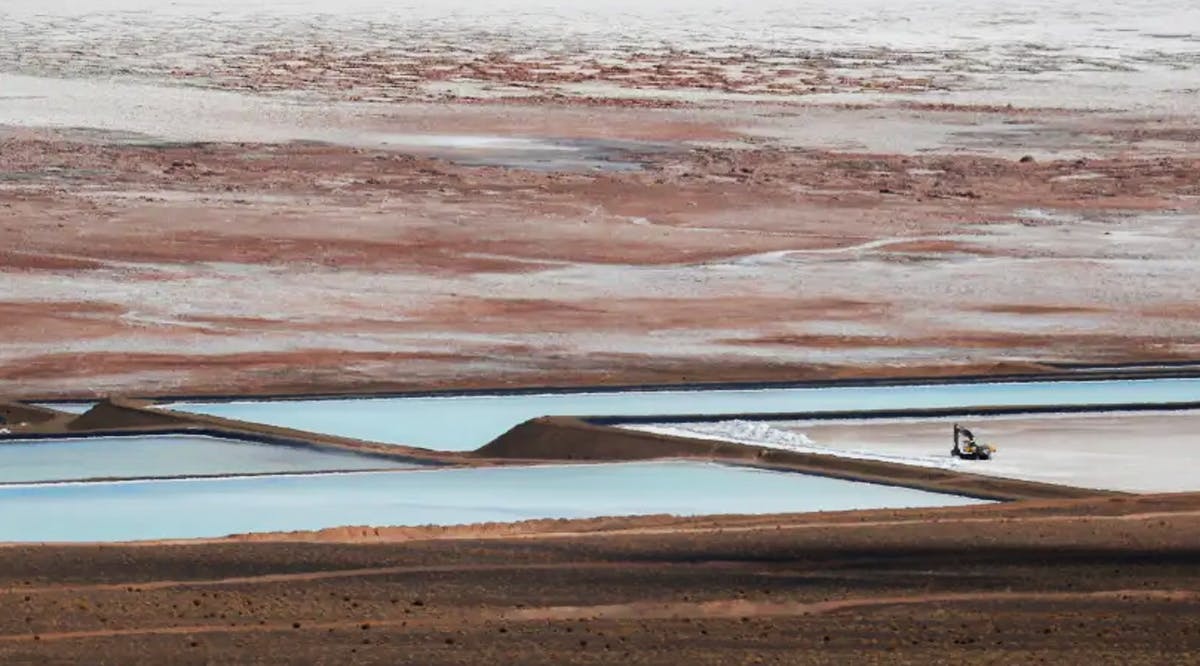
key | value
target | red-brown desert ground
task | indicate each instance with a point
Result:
(344, 202)
(1091, 581)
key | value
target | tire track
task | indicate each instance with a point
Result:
(723, 609)
(367, 571)
(659, 531)
(737, 608)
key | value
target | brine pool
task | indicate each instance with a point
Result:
(25, 461)
(183, 508)
(176, 509)
(466, 422)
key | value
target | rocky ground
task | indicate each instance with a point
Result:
(1103, 581)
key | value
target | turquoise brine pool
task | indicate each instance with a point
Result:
(172, 509)
(166, 455)
(463, 423)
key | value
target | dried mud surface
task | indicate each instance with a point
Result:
(236, 267)
(381, 196)
(1097, 581)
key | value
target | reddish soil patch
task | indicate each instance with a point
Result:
(16, 261)
(304, 267)
(85, 365)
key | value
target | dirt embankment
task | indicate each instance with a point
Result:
(121, 416)
(17, 415)
(566, 438)
(114, 414)
(559, 439)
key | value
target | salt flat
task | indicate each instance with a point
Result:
(216, 196)
(1143, 453)
(1063, 52)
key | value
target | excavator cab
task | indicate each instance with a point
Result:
(966, 448)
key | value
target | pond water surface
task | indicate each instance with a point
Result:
(463, 423)
(166, 455)
(132, 510)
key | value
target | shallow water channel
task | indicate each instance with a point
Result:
(463, 423)
(114, 511)
(26, 461)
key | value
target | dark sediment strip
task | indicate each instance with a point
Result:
(116, 413)
(1042, 372)
(123, 417)
(15, 413)
(570, 438)
(199, 477)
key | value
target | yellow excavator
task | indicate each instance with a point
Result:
(966, 448)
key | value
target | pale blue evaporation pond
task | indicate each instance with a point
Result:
(27, 461)
(70, 407)
(463, 423)
(172, 509)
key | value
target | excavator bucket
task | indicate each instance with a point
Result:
(966, 447)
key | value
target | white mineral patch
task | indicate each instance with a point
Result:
(1142, 452)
